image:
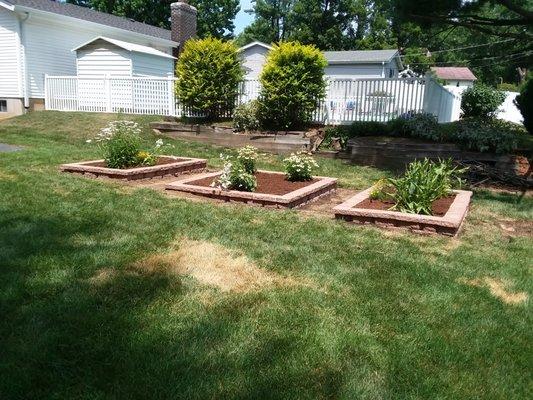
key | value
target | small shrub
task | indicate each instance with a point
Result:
(299, 166)
(242, 180)
(418, 125)
(292, 84)
(234, 176)
(481, 101)
(491, 135)
(382, 190)
(508, 87)
(423, 183)
(145, 158)
(246, 157)
(524, 102)
(246, 117)
(209, 71)
(120, 144)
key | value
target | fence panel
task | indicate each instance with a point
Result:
(346, 100)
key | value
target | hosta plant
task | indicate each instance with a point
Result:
(299, 166)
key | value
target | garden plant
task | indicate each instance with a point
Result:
(423, 182)
(299, 166)
(209, 71)
(292, 84)
(121, 145)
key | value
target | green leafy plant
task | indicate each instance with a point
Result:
(246, 117)
(492, 135)
(246, 157)
(120, 144)
(299, 166)
(424, 182)
(292, 84)
(235, 175)
(508, 87)
(146, 158)
(419, 125)
(209, 71)
(524, 102)
(481, 101)
(382, 190)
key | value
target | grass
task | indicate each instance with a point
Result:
(377, 315)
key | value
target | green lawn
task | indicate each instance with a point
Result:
(94, 302)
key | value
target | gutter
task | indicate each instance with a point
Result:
(25, 86)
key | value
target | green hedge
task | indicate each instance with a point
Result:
(474, 134)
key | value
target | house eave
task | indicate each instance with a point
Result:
(68, 19)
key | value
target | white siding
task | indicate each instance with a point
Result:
(150, 65)
(253, 60)
(49, 42)
(101, 58)
(354, 71)
(10, 63)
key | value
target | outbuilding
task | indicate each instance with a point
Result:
(104, 56)
(455, 76)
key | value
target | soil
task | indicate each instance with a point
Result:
(267, 183)
(160, 161)
(438, 208)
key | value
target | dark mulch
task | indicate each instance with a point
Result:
(267, 183)
(438, 208)
(160, 161)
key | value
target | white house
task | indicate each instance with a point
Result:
(358, 64)
(455, 76)
(37, 38)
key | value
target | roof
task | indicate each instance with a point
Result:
(454, 73)
(87, 14)
(127, 46)
(255, 43)
(360, 56)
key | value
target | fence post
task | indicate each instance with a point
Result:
(171, 100)
(46, 99)
(107, 85)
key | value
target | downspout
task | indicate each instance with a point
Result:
(24, 60)
(383, 69)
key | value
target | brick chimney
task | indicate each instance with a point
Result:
(183, 23)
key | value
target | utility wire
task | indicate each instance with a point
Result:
(507, 56)
(458, 48)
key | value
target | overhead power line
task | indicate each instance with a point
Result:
(458, 48)
(506, 56)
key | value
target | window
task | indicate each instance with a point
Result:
(3, 105)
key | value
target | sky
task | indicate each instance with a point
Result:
(243, 19)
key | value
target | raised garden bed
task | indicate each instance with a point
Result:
(273, 190)
(448, 217)
(166, 166)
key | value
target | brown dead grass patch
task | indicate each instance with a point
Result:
(498, 288)
(213, 265)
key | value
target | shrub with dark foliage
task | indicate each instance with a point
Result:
(524, 102)
(481, 101)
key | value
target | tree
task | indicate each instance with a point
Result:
(215, 17)
(514, 19)
(209, 71)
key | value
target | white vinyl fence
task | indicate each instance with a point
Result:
(346, 100)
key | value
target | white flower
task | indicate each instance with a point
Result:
(88, 141)
(158, 143)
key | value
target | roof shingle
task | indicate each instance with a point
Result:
(454, 73)
(86, 14)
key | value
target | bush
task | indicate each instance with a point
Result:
(481, 101)
(120, 144)
(209, 71)
(292, 83)
(242, 180)
(423, 183)
(298, 167)
(491, 135)
(246, 157)
(508, 87)
(524, 102)
(246, 117)
(418, 125)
